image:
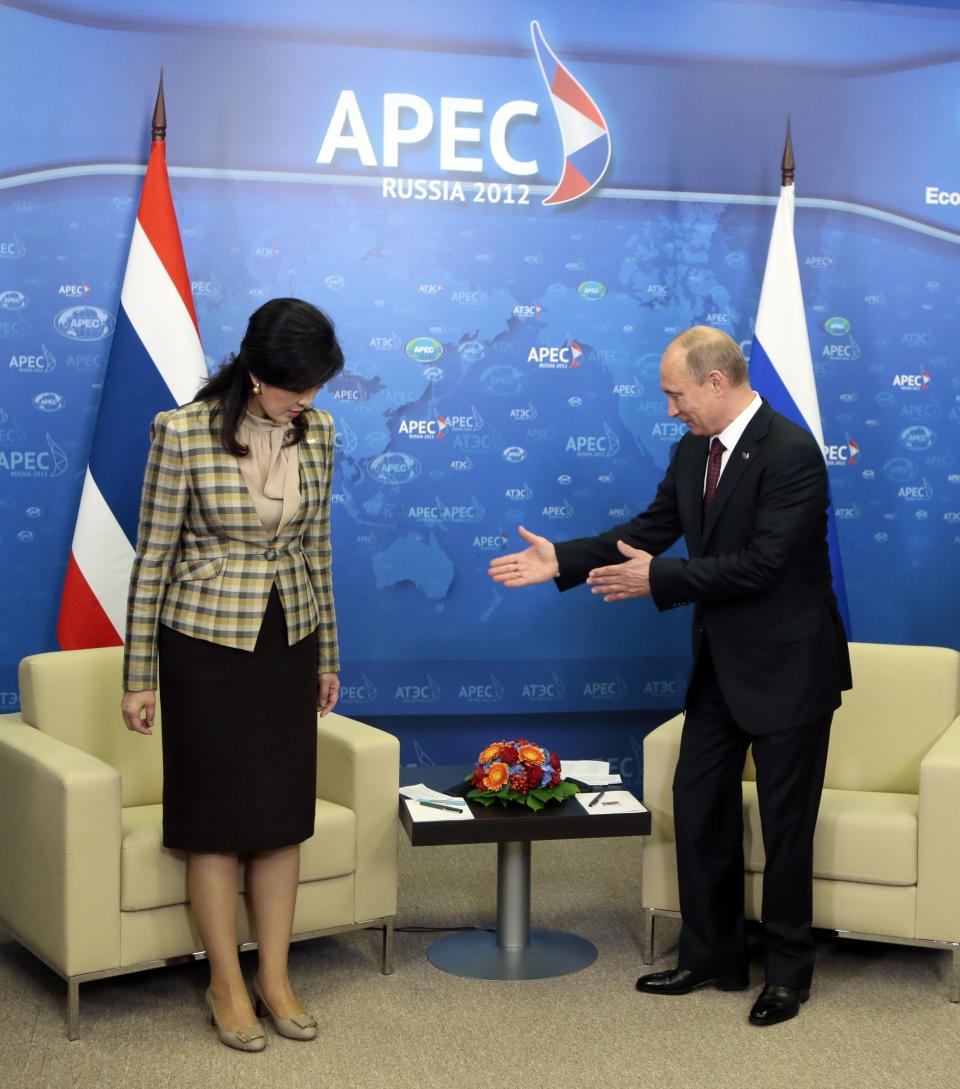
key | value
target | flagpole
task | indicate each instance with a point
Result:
(781, 363)
(155, 363)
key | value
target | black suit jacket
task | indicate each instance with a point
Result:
(757, 572)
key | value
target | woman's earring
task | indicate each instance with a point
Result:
(256, 387)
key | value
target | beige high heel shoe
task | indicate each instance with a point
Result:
(302, 1027)
(252, 1038)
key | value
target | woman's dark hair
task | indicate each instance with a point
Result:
(289, 344)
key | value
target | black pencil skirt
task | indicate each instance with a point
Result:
(239, 734)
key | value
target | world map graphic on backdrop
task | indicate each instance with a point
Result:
(500, 374)
(497, 374)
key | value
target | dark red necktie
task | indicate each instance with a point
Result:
(713, 473)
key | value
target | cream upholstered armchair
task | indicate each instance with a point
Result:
(887, 849)
(84, 881)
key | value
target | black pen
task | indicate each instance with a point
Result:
(437, 805)
(593, 801)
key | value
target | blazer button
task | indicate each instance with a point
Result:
(270, 554)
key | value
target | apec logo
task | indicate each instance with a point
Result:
(408, 123)
(525, 414)
(911, 381)
(13, 249)
(423, 429)
(502, 380)
(513, 455)
(558, 513)
(41, 363)
(915, 493)
(13, 300)
(847, 514)
(917, 437)
(841, 351)
(206, 289)
(606, 690)
(521, 311)
(394, 468)
(837, 327)
(552, 691)
(629, 389)
(841, 454)
(385, 344)
(84, 323)
(354, 394)
(493, 542)
(471, 421)
(49, 402)
(440, 512)
(364, 692)
(606, 445)
(819, 263)
(74, 291)
(520, 494)
(568, 356)
(591, 290)
(484, 692)
(426, 692)
(424, 349)
(50, 463)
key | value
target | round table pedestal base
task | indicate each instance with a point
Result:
(476, 955)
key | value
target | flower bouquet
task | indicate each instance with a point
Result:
(519, 771)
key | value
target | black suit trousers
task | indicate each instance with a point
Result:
(708, 813)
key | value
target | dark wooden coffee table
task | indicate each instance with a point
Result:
(516, 951)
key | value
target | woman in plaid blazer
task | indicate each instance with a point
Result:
(230, 613)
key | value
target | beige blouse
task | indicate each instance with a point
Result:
(271, 470)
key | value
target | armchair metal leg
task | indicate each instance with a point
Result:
(953, 986)
(648, 920)
(73, 1009)
(387, 968)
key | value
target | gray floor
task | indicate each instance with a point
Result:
(878, 1015)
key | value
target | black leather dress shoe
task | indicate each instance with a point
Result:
(775, 1004)
(683, 981)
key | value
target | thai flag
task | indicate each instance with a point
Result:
(156, 362)
(781, 367)
(586, 138)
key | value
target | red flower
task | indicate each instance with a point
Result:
(509, 755)
(534, 777)
(554, 761)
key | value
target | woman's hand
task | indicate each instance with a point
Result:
(138, 709)
(328, 692)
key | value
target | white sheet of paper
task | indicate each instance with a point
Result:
(421, 790)
(611, 801)
(590, 772)
(459, 810)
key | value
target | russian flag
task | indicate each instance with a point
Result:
(781, 366)
(156, 362)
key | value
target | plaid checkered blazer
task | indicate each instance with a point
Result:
(205, 564)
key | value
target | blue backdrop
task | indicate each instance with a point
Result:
(389, 163)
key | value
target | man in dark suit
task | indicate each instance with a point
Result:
(747, 490)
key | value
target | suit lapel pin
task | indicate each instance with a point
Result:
(745, 454)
